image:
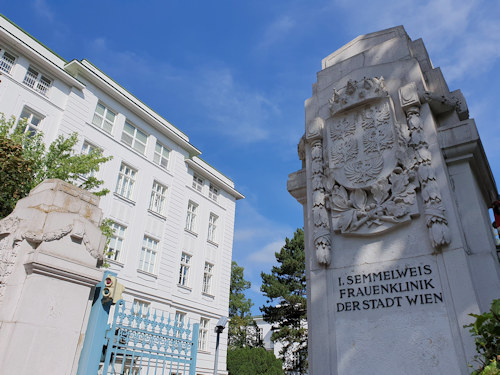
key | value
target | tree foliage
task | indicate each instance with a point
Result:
(253, 361)
(25, 162)
(486, 332)
(285, 288)
(242, 330)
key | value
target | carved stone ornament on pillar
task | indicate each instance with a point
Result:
(321, 233)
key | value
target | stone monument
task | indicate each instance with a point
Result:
(49, 248)
(396, 188)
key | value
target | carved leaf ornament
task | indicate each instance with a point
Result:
(375, 165)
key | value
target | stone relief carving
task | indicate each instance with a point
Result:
(372, 190)
(375, 165)
(11, 235)
(321, 234)
(8, 250)
(435, 215)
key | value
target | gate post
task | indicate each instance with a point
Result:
(96, 330)
(194, 349)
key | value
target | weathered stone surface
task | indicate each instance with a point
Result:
(49, 247)
(395, 188)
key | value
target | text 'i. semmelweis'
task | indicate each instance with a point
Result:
(375, 290)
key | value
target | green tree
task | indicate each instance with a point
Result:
(253, 361)
(486, 332)
(242, 330)
(285, 288)
(25, 162)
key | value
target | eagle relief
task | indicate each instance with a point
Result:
(369, 160)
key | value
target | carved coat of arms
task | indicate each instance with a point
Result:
(373, 189)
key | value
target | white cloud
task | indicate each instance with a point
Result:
(43, 10)
(239, 112)
(276, 31)
(462, 36)
(266, 255)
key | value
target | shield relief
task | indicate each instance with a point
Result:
(373, 189)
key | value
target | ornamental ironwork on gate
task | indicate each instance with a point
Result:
(141, 341)
(135, 340)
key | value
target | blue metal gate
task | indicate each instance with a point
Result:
(136, 341)
(141, 342)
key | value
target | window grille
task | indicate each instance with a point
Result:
(197, 183)
(7, 62)
(37, 81)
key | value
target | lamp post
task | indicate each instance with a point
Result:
(221, 324)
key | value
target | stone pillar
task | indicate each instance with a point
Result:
(396, 188)
(49, 247)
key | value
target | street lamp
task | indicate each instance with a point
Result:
(221, 324)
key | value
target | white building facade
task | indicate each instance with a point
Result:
(173, 214)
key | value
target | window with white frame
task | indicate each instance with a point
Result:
(88, 148)
(37, 81)
(212, 227)
(134, 137)
(191, 216)
(158, 198)
(207, 278)
(148, 255)
(197, 182)
(33, 121)
(161, 155)
(213, 193)
(115, 248)
(184, 269)
(141, 307)
(104, 118)
(126, 181)
(6, 61)
(203, 335)
(179, 320)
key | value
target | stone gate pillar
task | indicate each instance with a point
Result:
(396, 188)
(49, 247)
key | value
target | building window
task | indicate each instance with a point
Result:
(148, 255)
(6, 61)
(212, 228)
(158, 198)
(213, 193)
(207, 278)
(115, 248)
(37, 81)
(203, 335)
(126, 181)
(179, 320)
(197, 182)
(191, 216)
(88, 148)
(134, 137)
(184, 269)
(104, 118)
(141, 308)
(161, 155)
(33, 121)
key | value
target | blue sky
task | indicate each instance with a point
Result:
(234, 75)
